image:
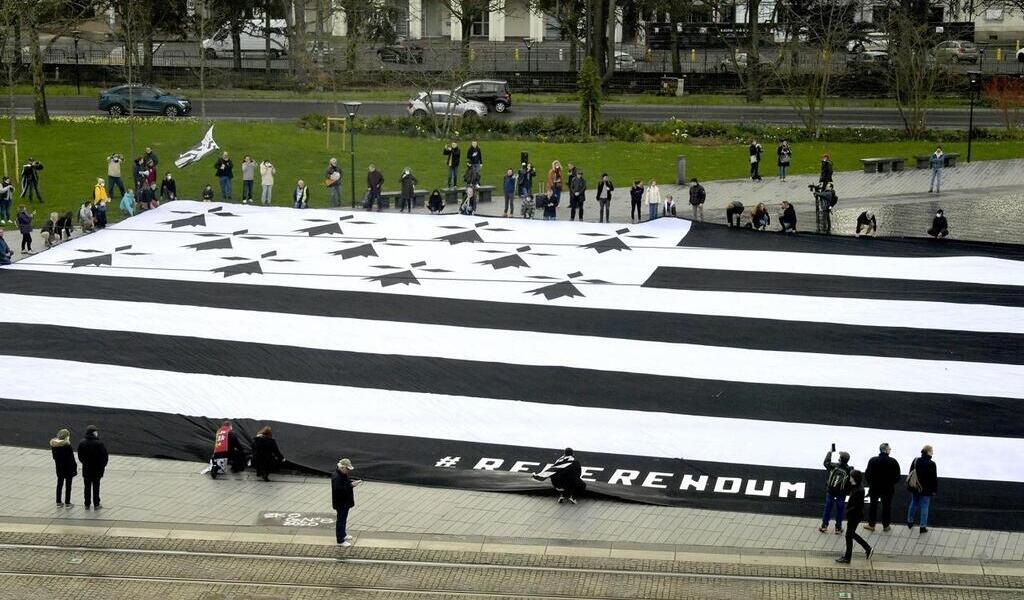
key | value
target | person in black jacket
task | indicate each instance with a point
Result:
(636, 196)
(697, 198)
(854, 514)
(64, 461)
(940, 226)
(837, 480)
(93, 456)
(265, 454)
(755, 160)
(343, 499)
(866, 221)
(788, 217)
(882, 475)
(604, 198)
(566, 475)
(927, 485)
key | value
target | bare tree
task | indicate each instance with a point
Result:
(818, 28)
(466, 11)
(914, 72)
(295, 15)
(751, 74)
(601, 36)
(571, 17)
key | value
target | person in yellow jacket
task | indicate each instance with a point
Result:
(99, 191)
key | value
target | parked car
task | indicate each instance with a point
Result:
(492, 92)
(444, 102)
(143, 99)
(868, 62)
(957, 51)
(727, 65)
(1020, 55)
(870, 42)
(252, 40)
(401, 54)
(624, 61)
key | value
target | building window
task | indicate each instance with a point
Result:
(480, 24)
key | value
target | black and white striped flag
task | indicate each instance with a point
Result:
(197, 152)
(685, 363)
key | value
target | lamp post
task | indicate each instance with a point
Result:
(529, 63)
(975, 87)
(78, 77)
(352, 108)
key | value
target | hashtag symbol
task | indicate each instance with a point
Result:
(448, 461)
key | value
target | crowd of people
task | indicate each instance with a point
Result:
(847, 487)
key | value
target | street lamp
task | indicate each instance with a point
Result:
(352, 108)
(975, 87)
(529, 63)
(78, 77)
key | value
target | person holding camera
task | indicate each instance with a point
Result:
(267, 172)
(452, 159)
(755, 160)
(248, 178)
(114, 180)
(223, 168)
(825, 197)
(30, 179)
(837, 483)
(332, 179)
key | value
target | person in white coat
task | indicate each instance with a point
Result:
(267, 172)
(652, 195)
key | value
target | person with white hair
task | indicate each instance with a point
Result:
(343, 499)
(866, 222)
(881, 476)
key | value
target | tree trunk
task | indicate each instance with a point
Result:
(574, 49)
(754, 85)
(299, 52)
(467, 30)
(677, 63)
(42, 115)
(236, 41)
(17, 40)
(266, 37)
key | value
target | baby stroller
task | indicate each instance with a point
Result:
(528, 207)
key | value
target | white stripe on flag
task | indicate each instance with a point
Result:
(526, 347)
(492, 421)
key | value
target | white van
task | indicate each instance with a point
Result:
(252, 39)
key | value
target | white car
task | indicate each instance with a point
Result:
(252, 40)
(443, 102)
(1020, 55)
(872, 42)
(624, 62)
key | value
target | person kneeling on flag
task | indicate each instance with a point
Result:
(566, 476)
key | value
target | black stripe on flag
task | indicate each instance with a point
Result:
(835, 286)
(937, 413)
(706, 330)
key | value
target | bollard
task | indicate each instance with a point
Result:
(650, 53)
(999, 55)
(693, 55)
(515, 55)
(560, 55)
(681, 170)
(472, 54)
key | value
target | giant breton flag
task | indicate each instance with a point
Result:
(686, 364)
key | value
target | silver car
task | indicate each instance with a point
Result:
(445, 103)
(957, 51)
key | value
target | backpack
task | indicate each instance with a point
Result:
(913, 483)
(838, 480)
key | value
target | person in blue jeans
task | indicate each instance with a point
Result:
(936, 161)
(837, 485)
(923, 483)
(343, 499)
(224, 168)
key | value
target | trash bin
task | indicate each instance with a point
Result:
(669, 85)
(681, 170)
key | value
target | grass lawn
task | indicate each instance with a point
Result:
(402, 94)
(74, 155)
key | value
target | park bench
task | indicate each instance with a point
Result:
(419, 198)
(883, 164)
(485, 193)
(948, 160)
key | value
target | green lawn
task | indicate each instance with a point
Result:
(73, 154)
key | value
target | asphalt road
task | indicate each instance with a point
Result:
(289, 110)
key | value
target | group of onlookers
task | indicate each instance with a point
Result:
(92, 454)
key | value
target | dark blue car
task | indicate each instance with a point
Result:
(143, 99)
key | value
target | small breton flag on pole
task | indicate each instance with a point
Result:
(197, 152)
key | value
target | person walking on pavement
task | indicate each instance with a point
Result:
(652, 195)
(604, 198)
(114, 162)
(452, 159)
(923, 484)
(785, 156)
(6, 198)
(936, 161)
(636, 196)
(407, 183)
(93, 456)
(940, 226)
(25, 227)
(332, 179)
(577, 194)
(223, 168)
(267, 172)
(837, 481)
(697, 197)
(30, 179)
(755, 160)
(343, 500)
(566, 475)
(882, 475)
(64, 461)
(248, 178)
(266, 456)
(374, 184)
(854, 515)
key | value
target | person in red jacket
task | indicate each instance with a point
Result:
(226, 450)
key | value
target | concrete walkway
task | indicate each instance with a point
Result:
(169, 499)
